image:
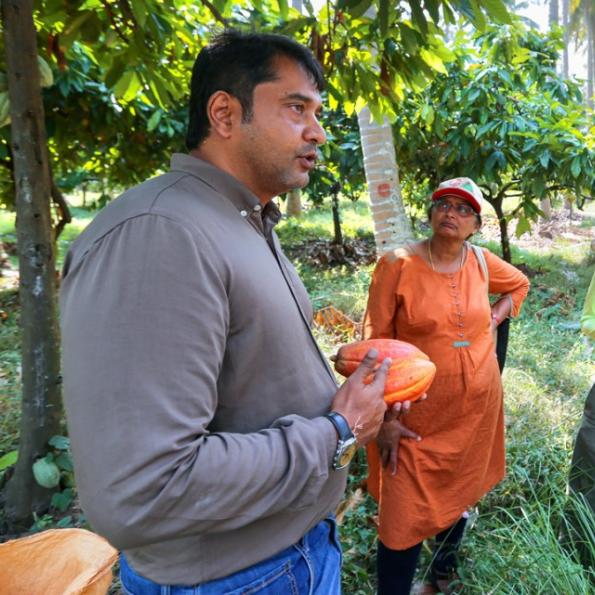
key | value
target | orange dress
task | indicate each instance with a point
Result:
(461, 454)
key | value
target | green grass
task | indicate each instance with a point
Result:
(9, 371)
(513, 544)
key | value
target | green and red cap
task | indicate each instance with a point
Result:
(464, 188)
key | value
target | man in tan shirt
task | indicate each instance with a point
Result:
(209, 437)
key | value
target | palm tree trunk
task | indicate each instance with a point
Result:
(590, 18)
(392, 227)
(565, 24)
(293, 205)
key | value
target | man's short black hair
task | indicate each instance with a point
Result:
(236, 62)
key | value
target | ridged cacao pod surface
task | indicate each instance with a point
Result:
(411, 372)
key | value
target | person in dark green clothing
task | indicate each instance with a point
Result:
(582, 470)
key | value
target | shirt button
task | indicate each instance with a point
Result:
(244, 213)
(461, 334)
(257, 208)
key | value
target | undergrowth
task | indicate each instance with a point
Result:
(516, 539)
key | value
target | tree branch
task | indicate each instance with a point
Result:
(127, 12)
(62, 207)
(112, 20)
(218, 16)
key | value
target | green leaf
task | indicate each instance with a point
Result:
(46, 473)
(473, 95)
(478, 17)
(544, 158)
(62, 500)
(409, 38)
(358, 9)
(497, 9)
(523, 226)
(428, 114)
(154, 120)
(114, 74)
(9, 459)
(127, 87)
(432, 8)
(139, 11)
(418, 16)
(45, 73)
(575, 167)
(433, 60)
(59, 442)
(64, 462)
(283, 9)
(496, 157)
(65, 522)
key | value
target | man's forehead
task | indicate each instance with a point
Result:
(289, 71)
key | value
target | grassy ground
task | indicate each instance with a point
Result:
(513, 543)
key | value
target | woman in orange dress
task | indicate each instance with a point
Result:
(425, 474)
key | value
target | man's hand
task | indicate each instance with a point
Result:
(388, 440)
(362, 405)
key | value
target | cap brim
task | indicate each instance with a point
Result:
(461, 193)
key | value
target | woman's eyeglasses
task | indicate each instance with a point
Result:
(460, 209)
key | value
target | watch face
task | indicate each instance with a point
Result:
(349, 449)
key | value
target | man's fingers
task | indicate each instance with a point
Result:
(382, 373)
(367, 365)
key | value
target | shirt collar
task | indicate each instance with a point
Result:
(239, 195)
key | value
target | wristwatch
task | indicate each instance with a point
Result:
(347, 445)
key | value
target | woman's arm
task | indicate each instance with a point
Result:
(510, 283)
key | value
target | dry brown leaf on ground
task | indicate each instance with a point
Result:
(334, 321)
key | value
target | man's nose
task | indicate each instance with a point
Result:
(315, 133)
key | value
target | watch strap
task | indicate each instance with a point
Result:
(341, 425)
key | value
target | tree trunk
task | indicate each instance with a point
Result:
(553, 19)
(293, 205)
(554, 13)
(590, 18)
(545, 205)
(338, 234)
(392, 227)
(41, 403)
(504, 239)
(565, 24)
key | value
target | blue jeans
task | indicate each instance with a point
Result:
(312, 566)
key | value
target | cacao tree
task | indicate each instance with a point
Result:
(504, 117)
(135, 58)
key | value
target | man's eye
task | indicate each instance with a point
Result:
(298, 107)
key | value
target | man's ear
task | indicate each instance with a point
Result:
(223, 111)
